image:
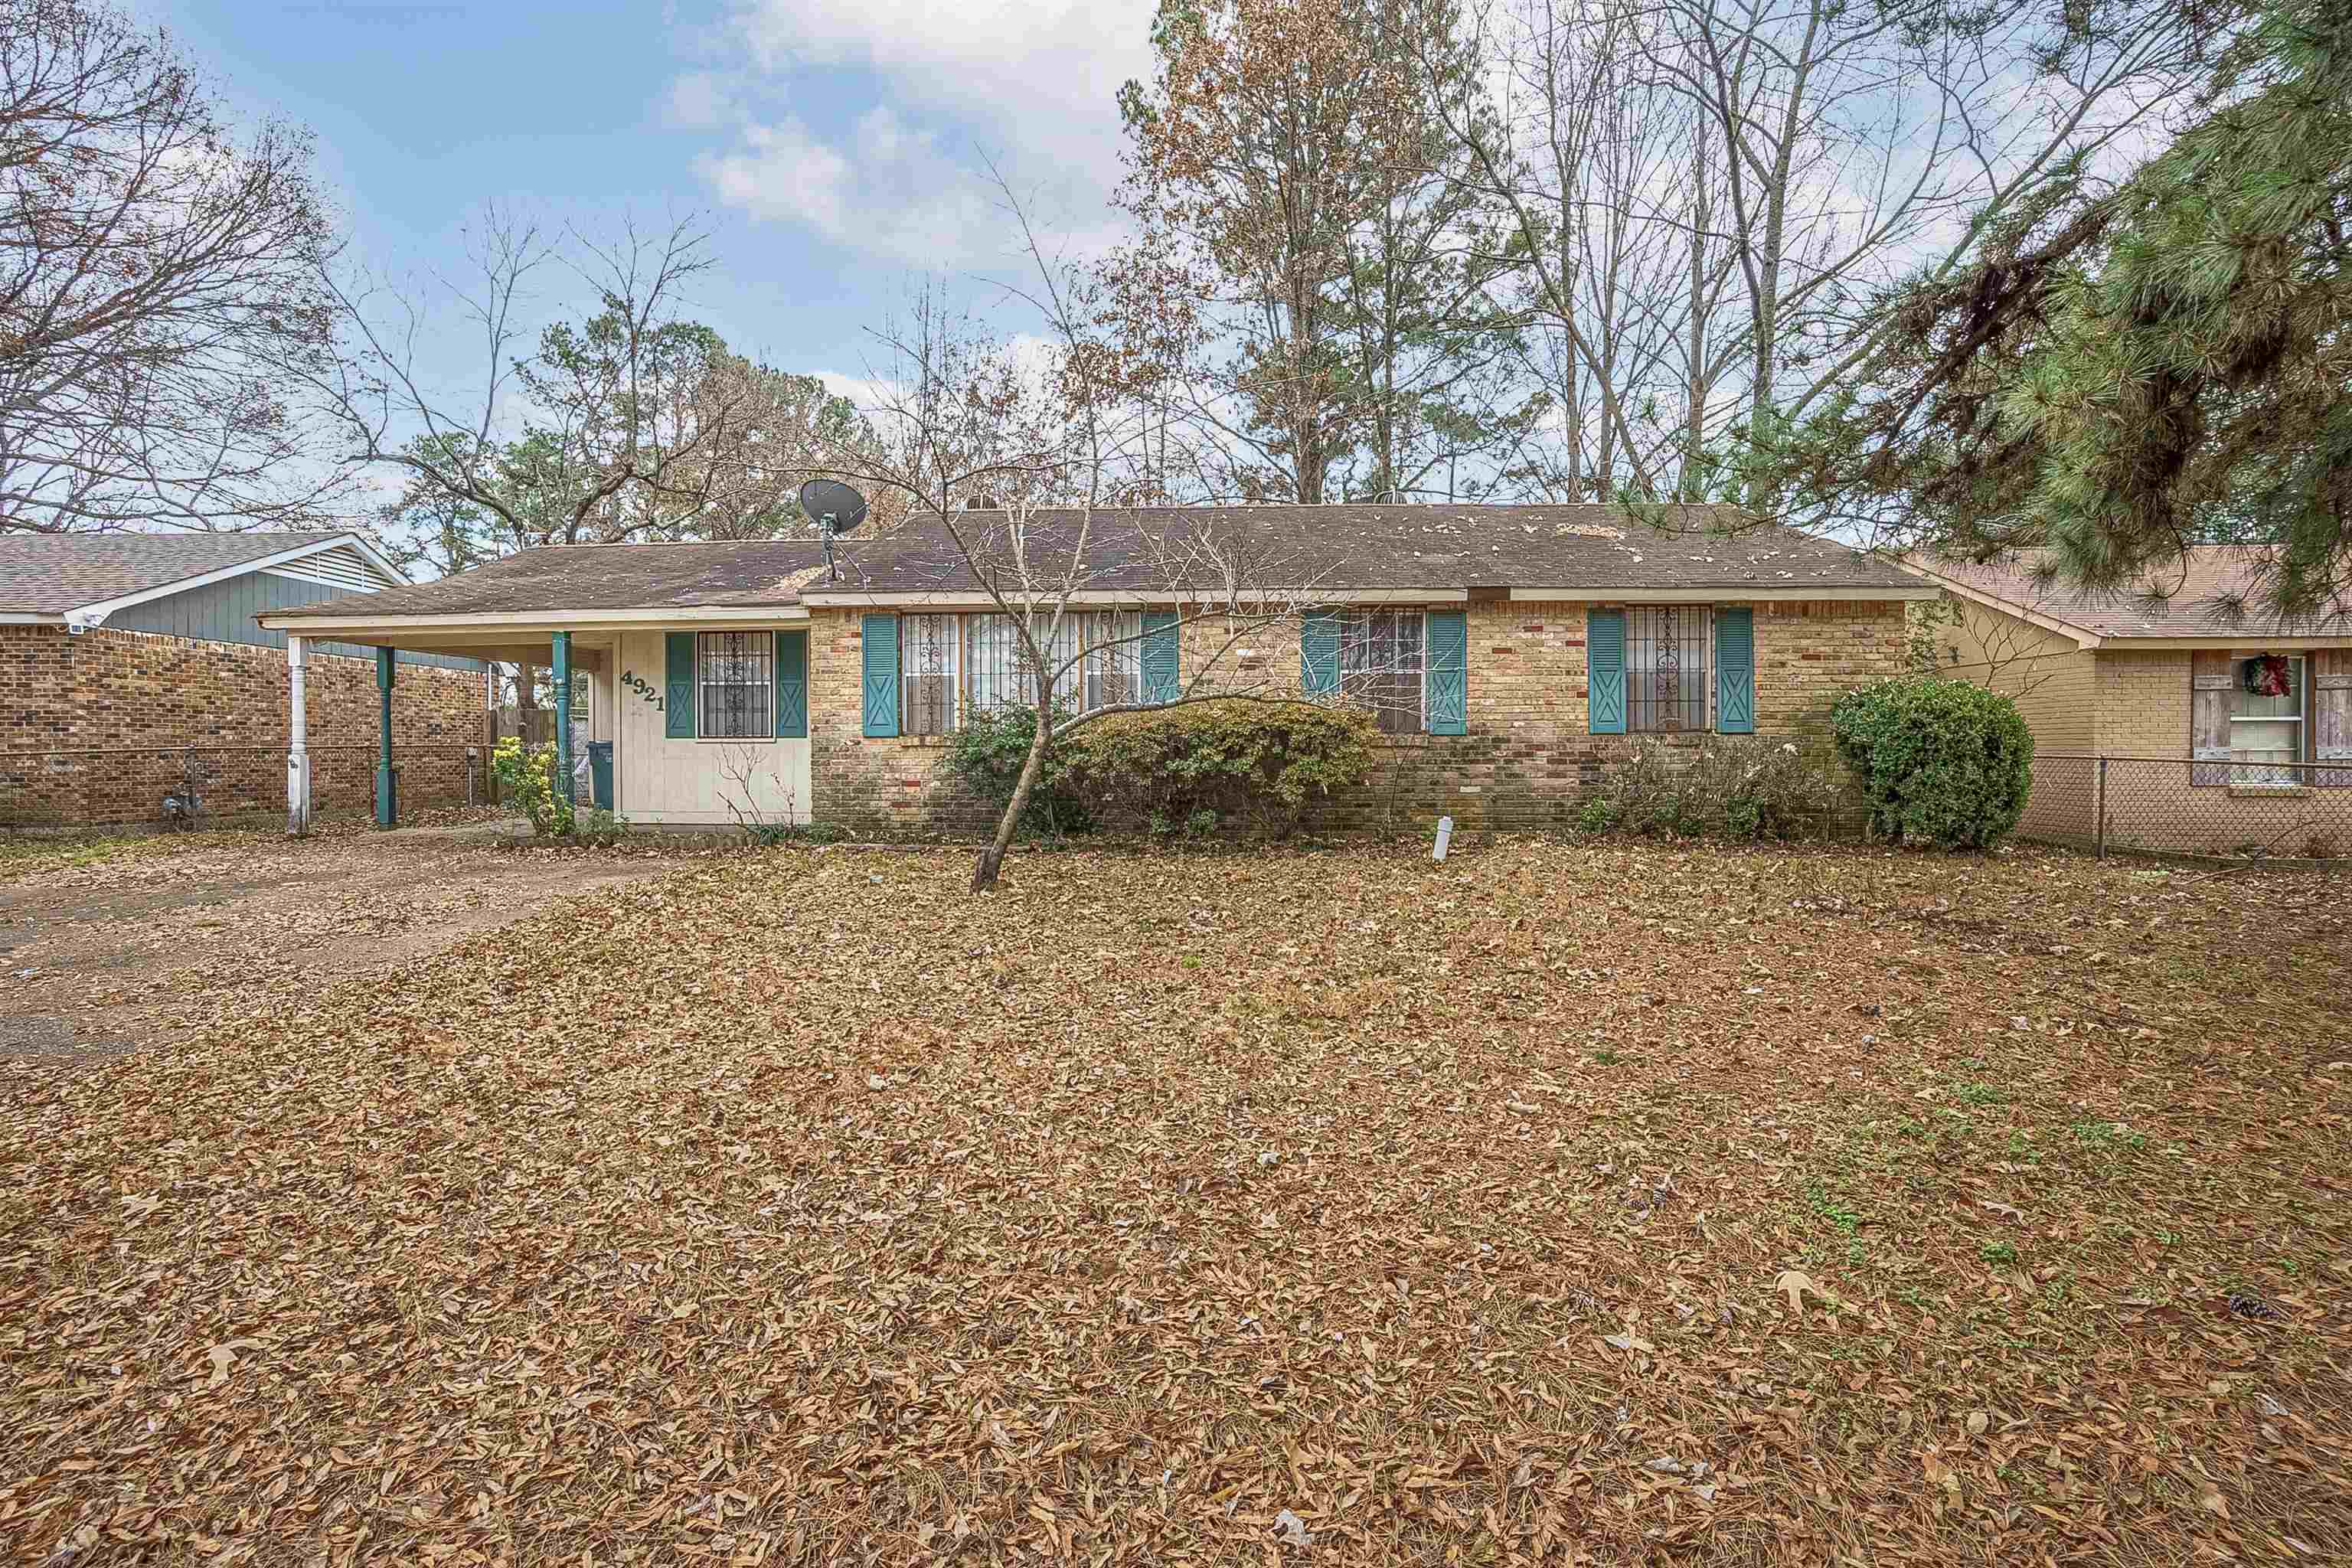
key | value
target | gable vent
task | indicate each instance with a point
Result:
(343, 569)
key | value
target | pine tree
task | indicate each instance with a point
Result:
(2123, 375)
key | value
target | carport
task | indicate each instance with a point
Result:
(585, 612)
(558, 646)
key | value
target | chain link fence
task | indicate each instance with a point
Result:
(186, 785)
(2162, 805)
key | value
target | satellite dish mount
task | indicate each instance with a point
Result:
(838, 509)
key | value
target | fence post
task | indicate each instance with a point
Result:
(489, 752)
(2100, 829)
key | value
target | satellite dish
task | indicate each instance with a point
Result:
(832, 505)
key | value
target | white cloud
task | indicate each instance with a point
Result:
(890, 190)
(1032, 83)
(699, 100)
(868, 391)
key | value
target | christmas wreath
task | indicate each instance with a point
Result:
(2266, 675)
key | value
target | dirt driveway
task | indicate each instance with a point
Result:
(103, 956)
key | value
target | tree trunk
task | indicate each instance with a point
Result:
(992, 857)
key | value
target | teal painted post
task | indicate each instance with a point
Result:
(562, 666)
(387, 808)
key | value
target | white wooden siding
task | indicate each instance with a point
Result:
(659, 780)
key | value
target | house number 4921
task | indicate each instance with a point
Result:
(629, 679)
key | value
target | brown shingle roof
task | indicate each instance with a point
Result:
(2185, 603)
(1341, 548)
(49, 574)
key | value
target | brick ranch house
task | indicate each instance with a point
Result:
(1520, 645)
(119, 652)
(2218, 736)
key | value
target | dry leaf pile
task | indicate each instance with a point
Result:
(1555, 1203)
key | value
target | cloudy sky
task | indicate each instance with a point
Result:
(833, 143)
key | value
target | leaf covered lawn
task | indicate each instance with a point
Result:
(1556, 1204)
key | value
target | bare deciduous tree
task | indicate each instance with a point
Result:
(1715, 197)
(158, 268)
(1019, 464)
(632, 424)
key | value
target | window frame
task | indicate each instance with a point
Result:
(703, 685)
(1704, 639)
(1348, 638)
(953, 672)
(1112, 641)
(2246, 773)
(972, 666)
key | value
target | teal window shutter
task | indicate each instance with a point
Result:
(1449, 672)
(1734, 671)
(879, 637)
(1160, 678)
(1318, 654)
(678, 687)
(1604, 671)
(792, 685)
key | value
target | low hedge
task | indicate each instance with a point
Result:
(1188, 770)
(1242, 764)
(1730, 786)
(1940, 762)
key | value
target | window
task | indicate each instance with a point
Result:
(2266, 722)
(738, 685)
(1380, 665)
(1666, 685)
(951, 667)
(1114, 668)
(927, 654)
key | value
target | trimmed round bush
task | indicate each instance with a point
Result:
(1940, 762)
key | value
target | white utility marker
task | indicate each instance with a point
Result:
(1445, 837)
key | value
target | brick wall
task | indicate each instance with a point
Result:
(1526, 762)
(135, 696)
(2048, 676)
(2144, 712)
(2054, 681)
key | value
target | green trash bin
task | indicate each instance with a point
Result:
(600, 775)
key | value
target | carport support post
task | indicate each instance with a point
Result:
(562, 672)
(387, 812)
(297, 751)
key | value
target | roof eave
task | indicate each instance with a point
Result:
(2083, 636)
(1739, 593)
(650, 617)
(95, 613)
(2220, 638)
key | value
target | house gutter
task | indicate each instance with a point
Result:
(642, 619)
(1730, 593)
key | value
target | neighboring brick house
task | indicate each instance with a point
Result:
(1511, 650)
(2219, 737)
(120, 653)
